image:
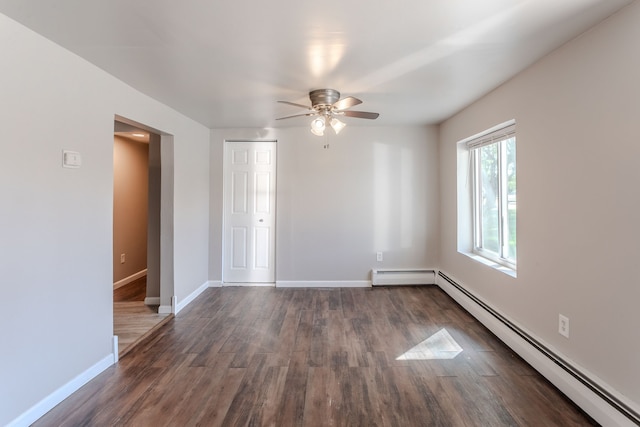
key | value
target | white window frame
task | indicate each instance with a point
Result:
(497, 135)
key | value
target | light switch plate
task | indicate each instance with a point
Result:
(71, 159)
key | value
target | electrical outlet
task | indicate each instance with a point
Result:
(379, 256)
(563, 325)
(122, 258)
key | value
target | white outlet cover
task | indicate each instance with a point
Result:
(563, 325)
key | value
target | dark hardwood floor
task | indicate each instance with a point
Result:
(403, 356)
(134, 291)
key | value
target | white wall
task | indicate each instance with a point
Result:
(578, 201)
(373, 189)
(191, 212)
(56, 224)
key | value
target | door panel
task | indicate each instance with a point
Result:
(262, 239)
(249, 212)
(240, 156)
(262, 193)
(240, 192)
(239, 248)
(263, 157)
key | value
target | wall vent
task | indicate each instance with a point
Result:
(403, 276)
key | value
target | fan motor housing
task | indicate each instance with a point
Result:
(324, 97)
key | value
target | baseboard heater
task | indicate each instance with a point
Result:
(616, 403)
(399, 276)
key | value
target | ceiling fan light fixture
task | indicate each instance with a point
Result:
(337, 125)
(317, 126)
(327, 106)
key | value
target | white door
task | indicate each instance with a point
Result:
(249, 212)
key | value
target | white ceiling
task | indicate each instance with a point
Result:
(225, 63)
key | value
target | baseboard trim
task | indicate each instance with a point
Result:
(127, 280)
(114, 349)
(215, 283)
(49, 402)
(152, 301)
(590, 393)
(323, 284)
(169, 309)
(247, 284)
(164, 309)
(193, 295)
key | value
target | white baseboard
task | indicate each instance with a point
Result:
(169, 309)
(250, 285)
(323, 284)
(215, 283)
(49, 402)
(152, 301)
(193, 295)
(127, 280)
(114, 349)
(594, 405)
(165, 309)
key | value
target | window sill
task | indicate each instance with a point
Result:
(506, 270)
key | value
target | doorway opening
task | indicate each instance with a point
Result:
(142, 295)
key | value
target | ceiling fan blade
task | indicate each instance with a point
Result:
(345, 103)
(296, 115)
(360, 114)
(306, 107)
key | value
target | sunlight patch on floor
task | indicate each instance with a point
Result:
(440, 345)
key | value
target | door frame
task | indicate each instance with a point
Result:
(225, 167)
(167, 299)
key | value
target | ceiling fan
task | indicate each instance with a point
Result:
(327, 106)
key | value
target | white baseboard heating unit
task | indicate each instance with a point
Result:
(403, 276)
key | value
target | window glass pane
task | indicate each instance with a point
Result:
(494, 203)
(510, 146)
(489, 190)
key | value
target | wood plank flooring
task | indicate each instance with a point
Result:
(133, 320)
(134, 291)
(401, 356)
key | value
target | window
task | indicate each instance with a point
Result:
(492, 158)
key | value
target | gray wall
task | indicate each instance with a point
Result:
(153, 217)
(374, 189)
(56, 223)
(578, 201)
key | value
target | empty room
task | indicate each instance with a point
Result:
(353, 213)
